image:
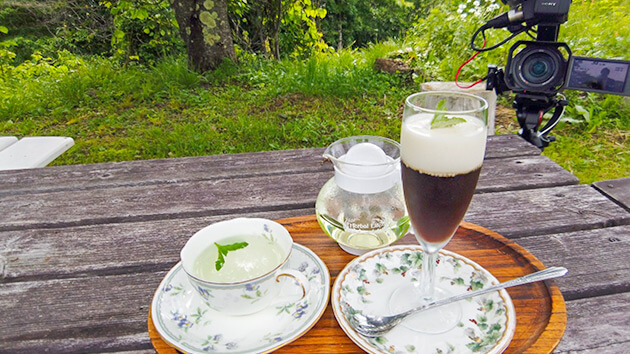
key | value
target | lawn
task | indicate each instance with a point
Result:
(145, 113)
(122, 110)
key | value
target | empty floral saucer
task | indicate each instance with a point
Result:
(185, 322)
(486, 323)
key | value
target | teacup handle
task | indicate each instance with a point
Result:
(299, 277)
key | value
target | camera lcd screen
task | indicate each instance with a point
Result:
(599, 75)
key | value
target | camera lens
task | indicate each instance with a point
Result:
(538, 68)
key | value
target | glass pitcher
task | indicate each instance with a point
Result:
(362, 207)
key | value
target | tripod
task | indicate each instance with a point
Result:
(530, 110)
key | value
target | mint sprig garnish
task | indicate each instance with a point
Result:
(223, 251)
(440, 120)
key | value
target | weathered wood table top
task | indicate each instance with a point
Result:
(84, 247)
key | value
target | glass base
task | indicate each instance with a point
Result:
(353, 251)
(438, 320)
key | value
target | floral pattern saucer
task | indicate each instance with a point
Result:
(486, 325)
(184, 321)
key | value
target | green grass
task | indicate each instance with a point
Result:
(592, 157)
(117, 114)
(126, 112)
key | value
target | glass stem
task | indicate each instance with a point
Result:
(427, 280)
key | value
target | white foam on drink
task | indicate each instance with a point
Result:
(443, 151)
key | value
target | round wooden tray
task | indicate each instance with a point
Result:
(540, 310)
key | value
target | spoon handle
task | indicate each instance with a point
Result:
(549, 273)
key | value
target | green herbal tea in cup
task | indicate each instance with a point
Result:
(238, 258)
(239, 266)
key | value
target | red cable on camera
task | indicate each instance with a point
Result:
(464, 64)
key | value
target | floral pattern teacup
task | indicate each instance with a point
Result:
(249, 295)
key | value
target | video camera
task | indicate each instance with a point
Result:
(537, 70)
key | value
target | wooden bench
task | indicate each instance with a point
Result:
(31, 152)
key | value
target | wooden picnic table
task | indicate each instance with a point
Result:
(84, 247)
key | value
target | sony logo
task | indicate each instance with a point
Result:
(549, 4)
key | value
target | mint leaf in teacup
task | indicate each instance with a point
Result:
(440, 120)
(223, 251)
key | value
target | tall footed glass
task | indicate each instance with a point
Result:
(443, 141)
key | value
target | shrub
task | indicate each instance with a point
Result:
(344, 73)
(144, 30)
(358, 23)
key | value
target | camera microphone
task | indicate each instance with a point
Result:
(505, 19)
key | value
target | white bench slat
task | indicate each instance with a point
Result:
(5, 141)
(32, 152)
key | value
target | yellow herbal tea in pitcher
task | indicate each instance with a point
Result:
(238, 258)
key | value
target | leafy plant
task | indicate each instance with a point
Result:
(144, 30)
(344, 73)
(278, 28)
(6, 55)
(79, 26)
(440, 42)
(300, 35)
(359, 23)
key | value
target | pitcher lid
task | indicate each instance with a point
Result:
(365, 164)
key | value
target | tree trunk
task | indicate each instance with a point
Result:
(340, 41)
(204, 26)
(277, 18)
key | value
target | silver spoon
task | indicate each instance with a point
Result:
(375, 326)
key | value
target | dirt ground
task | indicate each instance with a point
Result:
(505, 120)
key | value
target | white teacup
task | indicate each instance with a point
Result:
(244, 292)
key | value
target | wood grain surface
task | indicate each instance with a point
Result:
(618, 190)
(174, 194)
(84, 247)
(186, 169)
(540, 308)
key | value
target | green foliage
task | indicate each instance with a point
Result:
(344, 73)
(589, 112)
(6, 54)
(129, 112)
(39, 66)
(123, 110)
(46, 86)
(357, 23)
(24, 17)
(141, 30)
(23, 87)
(299, 35)
(441, 40)
(277, 27)
(79, 26)
(144, 30)
(598, 29)
(600, 155)
(176, 72)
